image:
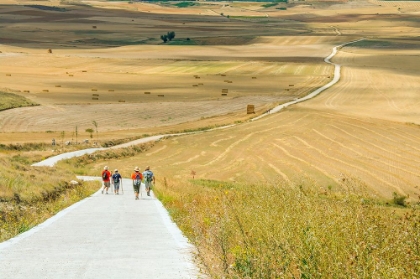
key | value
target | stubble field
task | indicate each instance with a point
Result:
(365, 127)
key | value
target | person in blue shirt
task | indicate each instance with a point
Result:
(116, 180)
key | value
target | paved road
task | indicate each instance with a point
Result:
(103, 236)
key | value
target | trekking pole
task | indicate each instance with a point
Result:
(122, 187)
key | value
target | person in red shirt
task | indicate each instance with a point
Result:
(137, 177)
(106, 178)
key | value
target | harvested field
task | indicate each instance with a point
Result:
(364, 128)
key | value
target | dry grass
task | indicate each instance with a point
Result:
(293, 231)
(10, 101)
(30, 195)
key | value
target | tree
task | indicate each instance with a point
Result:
(90, 131)
(164, 38)
(96, 127)
(171, 35)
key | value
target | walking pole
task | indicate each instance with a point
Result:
(122, 187)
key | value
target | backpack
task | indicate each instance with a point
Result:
(137, 180)
(149, 176)
(104, 175)
(116, 178)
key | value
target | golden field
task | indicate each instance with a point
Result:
(329, 167)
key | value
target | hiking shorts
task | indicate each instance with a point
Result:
(136, 188)
(148, 185)
(107, 184)
(116, 186)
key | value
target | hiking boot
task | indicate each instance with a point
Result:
(102, 191)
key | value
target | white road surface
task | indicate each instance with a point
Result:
(103, 236)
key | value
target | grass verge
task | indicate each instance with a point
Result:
(292, 231)
(30, 195)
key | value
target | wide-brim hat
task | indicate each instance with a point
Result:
(116, 170)
(136, 169)
(106, 168)
(147, 168)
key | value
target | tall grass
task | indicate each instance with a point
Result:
(279, 231)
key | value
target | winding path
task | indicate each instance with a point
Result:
(53, 160)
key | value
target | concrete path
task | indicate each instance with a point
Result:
(103, 236)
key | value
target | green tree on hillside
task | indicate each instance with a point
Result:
(171, 35)
(164, 38)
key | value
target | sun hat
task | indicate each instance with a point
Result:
(147, 168)
(116, 170)
(106, 168)
(136, 169)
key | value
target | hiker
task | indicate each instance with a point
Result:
(137, 177)
(116, 180)
(106, 178)
(149, 179)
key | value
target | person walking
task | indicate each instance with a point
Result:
(116, 180)
(149, 179)
(106, 178)
(137, 177)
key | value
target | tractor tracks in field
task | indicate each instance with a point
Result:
(336, 77)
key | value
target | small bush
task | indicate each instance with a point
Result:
(399, 199)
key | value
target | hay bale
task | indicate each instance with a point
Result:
(95, 98)
(110, 90)
(147, 93)
(223, 75)
(84, 71)
(254, 77)
(225, 90)
(195, 85)
(224, 94)
(94, 26)
(94, 89)
(161, 95)
(70, 75)
(8, 75)
(250, 109)
(58, 86)
(197, 77)
(45, 90)
(49, 50)
(291, 85)
(121, 101)
(201, 84)
(26, 91)
(95, 95)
